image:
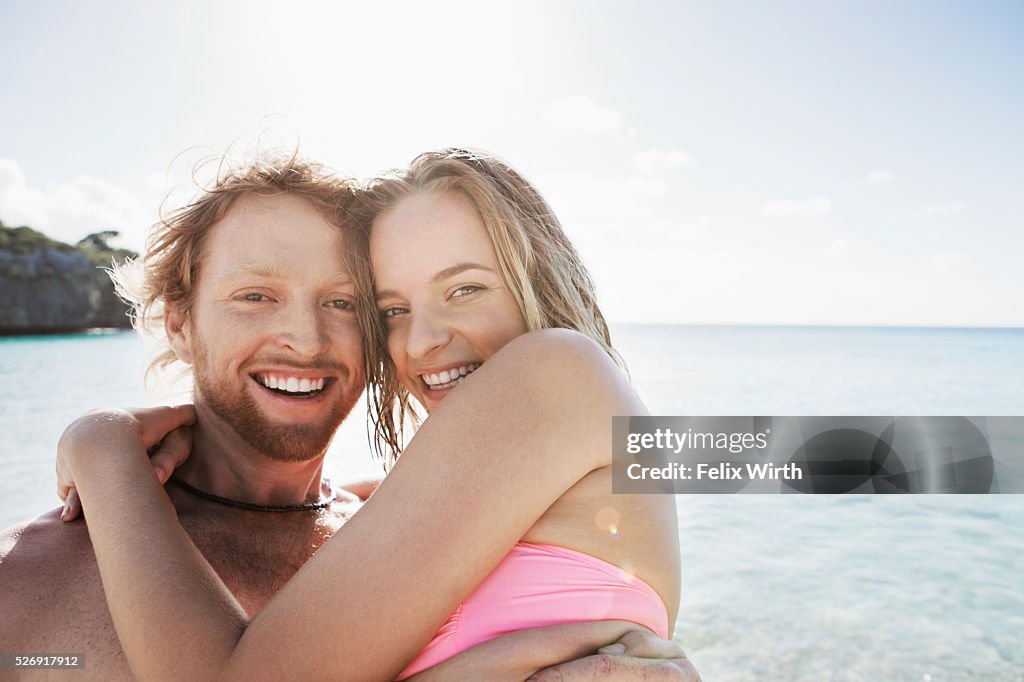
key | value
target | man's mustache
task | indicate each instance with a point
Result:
(290, 363)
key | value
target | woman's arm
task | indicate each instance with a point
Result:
(484, 467)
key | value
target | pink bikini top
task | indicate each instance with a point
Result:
(537, 585)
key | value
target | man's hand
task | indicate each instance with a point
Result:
(565, 653)
(638, 655)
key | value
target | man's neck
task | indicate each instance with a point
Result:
(224, 464)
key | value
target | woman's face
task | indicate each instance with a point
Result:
(440, 292)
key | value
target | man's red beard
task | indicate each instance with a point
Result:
(275, 440)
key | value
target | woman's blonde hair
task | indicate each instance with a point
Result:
(538, 265)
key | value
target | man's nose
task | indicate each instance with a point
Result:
(304, 331)
(427, 334)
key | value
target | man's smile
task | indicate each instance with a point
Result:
(288, 384)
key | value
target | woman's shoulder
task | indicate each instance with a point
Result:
(569, 382)
(557, 337)
(560, 354)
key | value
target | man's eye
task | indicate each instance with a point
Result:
(255, 297)
(341, 304)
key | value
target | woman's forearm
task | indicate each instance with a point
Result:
(338, 616)
(517, 655)
(146, 559)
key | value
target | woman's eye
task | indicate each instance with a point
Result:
(255, 297)
(341, 304)
(466, 290)
(391, 312)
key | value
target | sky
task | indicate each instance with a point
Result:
(826, 163)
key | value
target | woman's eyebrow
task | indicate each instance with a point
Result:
(440, 276)
(458, 268)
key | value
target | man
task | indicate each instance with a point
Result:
(250, 287)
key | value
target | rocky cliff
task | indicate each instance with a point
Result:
(47, 286)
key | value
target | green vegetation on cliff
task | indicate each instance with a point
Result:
(96, 248)
(48, 286)
(26, 240)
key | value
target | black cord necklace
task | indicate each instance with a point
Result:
(227, 502)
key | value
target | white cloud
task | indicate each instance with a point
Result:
(942, 209)
(879, 177)
(661, 160)
(781, 208)
(68, 211)
(10, 173)
(579, 112)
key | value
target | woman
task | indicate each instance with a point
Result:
(471, 273)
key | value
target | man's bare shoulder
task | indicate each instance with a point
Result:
(34, 546)
(46, 567)
(50, 582)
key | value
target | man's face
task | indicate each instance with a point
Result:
(272, 336)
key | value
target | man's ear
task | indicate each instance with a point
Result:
(179, 333)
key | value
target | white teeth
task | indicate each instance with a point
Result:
(450, 377)
(291, 384)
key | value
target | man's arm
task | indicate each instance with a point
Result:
(586, 652)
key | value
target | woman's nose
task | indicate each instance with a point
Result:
(427, 334)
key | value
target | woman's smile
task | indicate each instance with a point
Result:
(448, 378)
(440, 292)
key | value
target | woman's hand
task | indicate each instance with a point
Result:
(161, 432)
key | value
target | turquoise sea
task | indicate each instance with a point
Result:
(784, 587)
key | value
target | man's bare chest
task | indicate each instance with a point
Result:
(257, 557)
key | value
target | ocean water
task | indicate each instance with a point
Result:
(784, 587)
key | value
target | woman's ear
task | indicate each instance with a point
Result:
(179, 333)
